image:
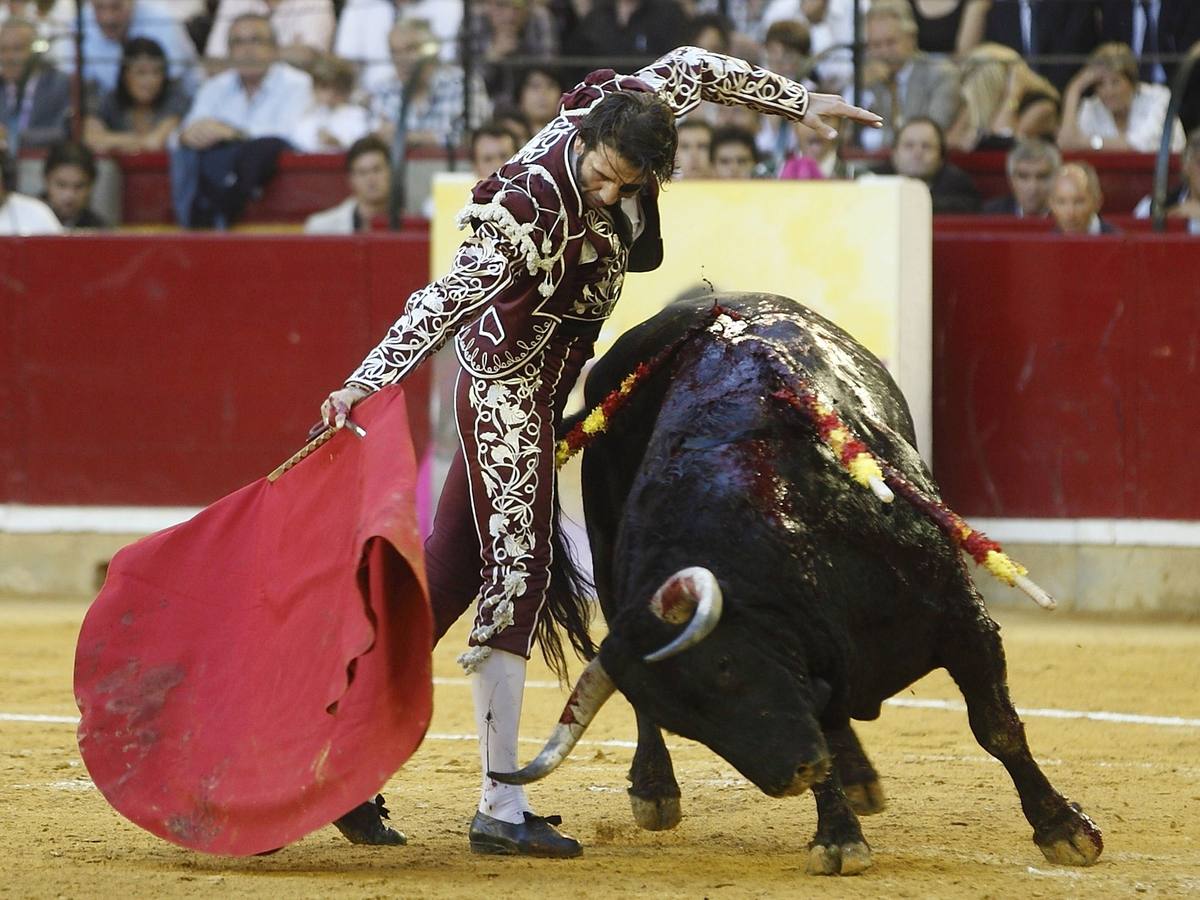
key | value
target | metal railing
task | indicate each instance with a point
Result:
(1158, 196)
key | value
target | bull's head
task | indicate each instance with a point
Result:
(707, 683)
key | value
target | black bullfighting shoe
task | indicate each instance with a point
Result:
(536, 836)
(364, 824)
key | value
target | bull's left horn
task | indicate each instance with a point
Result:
(690, 595)
(591, 690)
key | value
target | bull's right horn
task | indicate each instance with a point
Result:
(591, 690)
(690, 595)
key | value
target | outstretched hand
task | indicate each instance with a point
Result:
(831, 106)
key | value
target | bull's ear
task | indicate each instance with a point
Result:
(693, 596)
(675, 602)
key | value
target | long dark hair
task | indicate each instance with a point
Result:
(141, 48)
(639, 126)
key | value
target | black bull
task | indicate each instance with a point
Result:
(785, 598)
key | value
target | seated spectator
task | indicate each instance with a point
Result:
(492, 145)
(108, 24)
(1039, 116)
(950, 27)
(143, 110)
(35, 98)
(719, 116)
(332, 123)
(995, 80)
(506, 28)
(787, 53)
(612, 28)
(1030, 167)
(902, 83)
(54, 20)
(920, 152)
(733, 154)
(1059, 29)
(21, 215)
(362, 39)
(539, 93)
(303, 28)
(710, 31)
(693, 153)
(369, 171)
(68, 176)
(1183, 201)
(427, 92)
(514, 120)
(816, 156)
(1075, 201)
(1123, 114)
(444, 18)
(831, 34)
(236, 128)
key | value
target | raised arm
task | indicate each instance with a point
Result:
(486, 267)
(688, 75)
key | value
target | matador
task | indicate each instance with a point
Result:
(554, 231)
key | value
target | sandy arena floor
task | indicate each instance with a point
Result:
(953, 827)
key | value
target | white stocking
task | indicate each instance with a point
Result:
(497, 687)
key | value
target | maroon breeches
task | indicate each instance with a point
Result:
(491, 534)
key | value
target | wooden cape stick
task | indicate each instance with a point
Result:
(312, 445)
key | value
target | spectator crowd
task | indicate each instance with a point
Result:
(224, 86)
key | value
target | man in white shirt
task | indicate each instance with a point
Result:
(21, 215)
(369, 171)
(236, 127)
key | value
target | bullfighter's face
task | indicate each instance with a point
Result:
(605, 176)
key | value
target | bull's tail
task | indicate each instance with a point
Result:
(569, 603)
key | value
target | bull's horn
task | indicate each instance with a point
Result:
(690, 595)
(591, 690)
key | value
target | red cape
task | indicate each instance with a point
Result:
(257, 671)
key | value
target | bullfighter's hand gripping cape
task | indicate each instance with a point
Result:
(248, 676)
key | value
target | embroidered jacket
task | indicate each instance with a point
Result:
(539, 260)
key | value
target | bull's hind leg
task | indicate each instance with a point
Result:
(838, 847)
(653, 791)
(860, 781)
(974, 657)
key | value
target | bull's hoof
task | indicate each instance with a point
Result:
(657, 813)
(866, 799)
(839, 859)
(1071, 840)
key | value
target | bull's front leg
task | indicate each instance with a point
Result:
(838, 847)
(860, 781)
(653, 791)
(974, 657)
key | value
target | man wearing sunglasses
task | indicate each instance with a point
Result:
(555, 230)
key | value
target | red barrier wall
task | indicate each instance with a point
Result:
(172, 369)
(1065, 374)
